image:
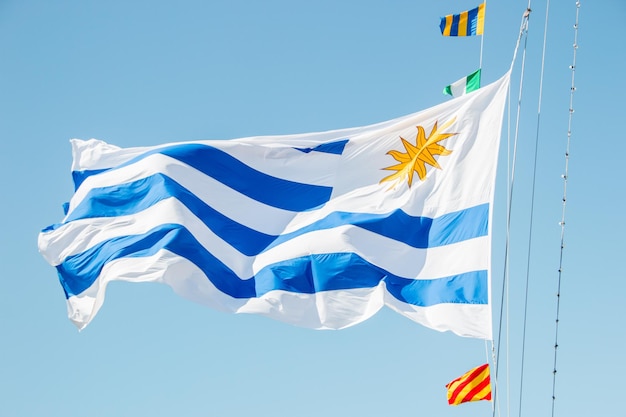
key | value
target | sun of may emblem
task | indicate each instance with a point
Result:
(417, 156)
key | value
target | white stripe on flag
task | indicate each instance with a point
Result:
(239, 207)
(464, 85)
(389, 254)
(457, 88)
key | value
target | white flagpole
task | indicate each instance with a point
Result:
(482, 40)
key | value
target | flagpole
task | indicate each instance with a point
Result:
(480, 63)
(482, 40)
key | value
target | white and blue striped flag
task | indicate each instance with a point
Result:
(320, 230)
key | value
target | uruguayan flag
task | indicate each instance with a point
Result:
(319, 230)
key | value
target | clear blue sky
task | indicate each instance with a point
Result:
(139, 73)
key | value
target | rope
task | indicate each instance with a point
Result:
(562, 222)
(532, 210)
(523, 31)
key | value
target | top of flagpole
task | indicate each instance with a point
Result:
(523, 28)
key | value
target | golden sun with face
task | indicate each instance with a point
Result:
(417, 156)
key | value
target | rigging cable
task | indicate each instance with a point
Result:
(496, 358)
(532, 210)
(562, 222)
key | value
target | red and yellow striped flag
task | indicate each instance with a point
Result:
(474, 385)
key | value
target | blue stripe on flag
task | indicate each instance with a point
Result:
(454, 28)
(139, 195)
(418, 232)
(467, 288)
(233, 173)
(306, 275)
(80, 176)
(78, 272)
(472, 20)
(442, 24)
(122, 199)
(331, 147)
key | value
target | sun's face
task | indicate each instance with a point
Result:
(416, 157)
